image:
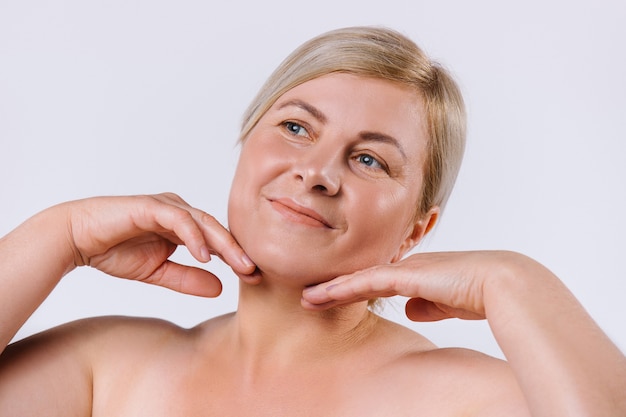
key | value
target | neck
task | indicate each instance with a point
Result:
(270, 323)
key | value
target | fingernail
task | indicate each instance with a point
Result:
(204, 253)
(312, 291)
(246, 260)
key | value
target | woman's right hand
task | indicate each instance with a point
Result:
(127, 237)
(133, 237)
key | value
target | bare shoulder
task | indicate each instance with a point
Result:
(63, 359)
(97, 343)
(464, 381)
(116, 343)
(83, 342)
(83, 363)
(476, 381)
(102, 333)
(107, 333)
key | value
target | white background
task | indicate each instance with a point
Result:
(124, 97)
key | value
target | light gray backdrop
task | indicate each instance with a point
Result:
(118, 97)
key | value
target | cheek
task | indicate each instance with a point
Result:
(252, 166)
(382, 225)
(234, 207)
(241, 193)
(262, 157)
(258, 168)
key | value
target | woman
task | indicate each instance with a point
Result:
(348, 156)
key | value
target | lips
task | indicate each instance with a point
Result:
(299, 214)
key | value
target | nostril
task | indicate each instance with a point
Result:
(319, 180)
(320, 188)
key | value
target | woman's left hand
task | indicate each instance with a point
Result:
(440, 285)
(562, 360)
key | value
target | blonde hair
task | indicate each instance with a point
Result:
(385, 54)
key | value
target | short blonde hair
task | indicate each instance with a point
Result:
(385, 54)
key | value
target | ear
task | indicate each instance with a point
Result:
(420, 228)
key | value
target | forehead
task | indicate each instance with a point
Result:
(362, 104)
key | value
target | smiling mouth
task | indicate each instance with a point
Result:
(298, 214)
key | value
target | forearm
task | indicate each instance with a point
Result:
(33, 258)
(564, 362)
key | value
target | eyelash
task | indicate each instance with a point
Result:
(381, 165)
(290, 125)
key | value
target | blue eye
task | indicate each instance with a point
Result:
(296, 129)
(369, 161)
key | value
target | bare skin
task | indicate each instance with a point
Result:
(126, 366)
(147, 367)
(302, 341)
(342, 362)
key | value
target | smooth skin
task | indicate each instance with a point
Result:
(302, 341)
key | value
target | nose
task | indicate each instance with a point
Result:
(319, 169)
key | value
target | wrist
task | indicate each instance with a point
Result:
(513, 286)
(54, 228)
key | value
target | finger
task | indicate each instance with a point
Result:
(362, 285)
(334, 303)
(176, 223)
(201, 233)
(419, 309)
(217, 239)
(222, 243)
(319, 294)
(185, 279)
(254, 278)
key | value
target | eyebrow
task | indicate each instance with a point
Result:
(365, 136)
(314, 111)
(381, 137)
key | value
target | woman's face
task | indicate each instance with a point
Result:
(329, 179)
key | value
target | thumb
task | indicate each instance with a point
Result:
(185, 279)
(420, 309)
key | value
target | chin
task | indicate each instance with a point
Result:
(288, 266)
(289, 260)
(296, 260)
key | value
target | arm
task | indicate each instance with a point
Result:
(563, 362)
(128, 237)
(33, 258)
